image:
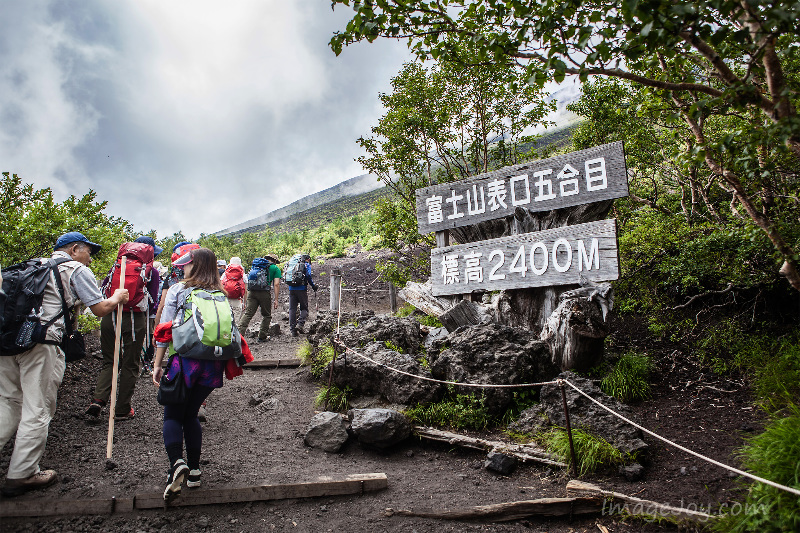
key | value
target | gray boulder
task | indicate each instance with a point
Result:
(501, 463)
(379, 428)
(391, 331)
(326, 431)
(323, 328)
(367, 378)
(586, 414)
(492, 353)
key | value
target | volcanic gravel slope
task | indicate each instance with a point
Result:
(249, 445)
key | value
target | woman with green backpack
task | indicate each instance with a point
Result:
(203, 338)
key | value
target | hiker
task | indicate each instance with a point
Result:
(175, 273)
(297, 276)
(142, 282)
(221, 265)
(233, 282)
(263, 287)
(29, 380)
(202, 366)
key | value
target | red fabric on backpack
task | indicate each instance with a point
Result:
(138, 269)
(233, 281)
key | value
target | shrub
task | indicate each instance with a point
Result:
(337, 398)
(322, 356)
(427, 320)
(591, 452)
(628, 380)
(87, 323)
(393, 346)
(464, 411)
(406, 310)
(773, 455)
(305, 352)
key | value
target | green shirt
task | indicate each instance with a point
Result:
(274, 273)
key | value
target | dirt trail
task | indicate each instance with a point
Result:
(247, 445)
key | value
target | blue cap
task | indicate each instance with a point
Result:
(75, 236)
(180, 244)
(144, 239)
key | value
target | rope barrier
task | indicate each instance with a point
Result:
(424, 378)
(687, 450)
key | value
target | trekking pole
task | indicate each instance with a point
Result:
(115, 369)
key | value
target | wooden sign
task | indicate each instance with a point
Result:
(583, 177)
(557, 256)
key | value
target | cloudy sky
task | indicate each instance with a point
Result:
(185, 115)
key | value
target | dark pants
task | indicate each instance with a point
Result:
(181, 424)
(134, 330)
(256, 299)
(298, 297)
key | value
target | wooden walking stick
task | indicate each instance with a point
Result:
(115, 370)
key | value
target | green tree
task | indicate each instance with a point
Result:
(31, 221)
(442, 123)
(704, 62)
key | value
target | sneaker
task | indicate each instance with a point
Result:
(177, 474)
(129, 416)
(193, 481)
(94, 409)
(201, 414)
(39, 480)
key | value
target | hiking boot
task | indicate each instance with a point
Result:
(300, 329)
(294, 333)
(260, 340)
(201, 414)
(39, 480)
(128, 416)
(193, 481)
(175, 478)
(94, 409)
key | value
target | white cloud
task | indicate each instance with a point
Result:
(186, 115)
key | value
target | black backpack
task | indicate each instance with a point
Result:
(24, 285)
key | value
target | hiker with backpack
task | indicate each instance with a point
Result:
(142, 282)
(198, 328)
(297, 276)
(174, 275)
(36, 340)
(233, 282)
(263, 288)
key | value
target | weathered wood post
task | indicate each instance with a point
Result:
(336, 283)
(393, 297)
(569, 428)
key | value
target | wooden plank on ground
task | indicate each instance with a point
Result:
(49, 507)
(504, 512)
(325, 486)
(272, 363)
(622, 503)
(523, 452)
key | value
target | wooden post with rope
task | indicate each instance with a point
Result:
(115, 369)
(336, 284)
(393, 297)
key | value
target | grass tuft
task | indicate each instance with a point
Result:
(463, 411)
(591, 452)
(628, 380)
(305, 352)
(338, 399)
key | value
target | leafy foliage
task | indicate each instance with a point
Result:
(31, 220)
(88, 323)
(337, 398)
(773, 455)
(322, 356)
(460, 411)
(592, 453)
(627, 381)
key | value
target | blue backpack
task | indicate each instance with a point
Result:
(295, 272)
(258, 278)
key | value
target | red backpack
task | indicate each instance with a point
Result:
(233, 282)
(138, 269)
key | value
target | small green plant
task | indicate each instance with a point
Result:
(424, 363)
(393, 346)
(322, 356)
(406, 310)
(337, 397)
(464, 411)
(87, 323)
(427, 320)
(628, 380)
(592, 452)
(520, 400)
(305, 352)
(773, 455)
